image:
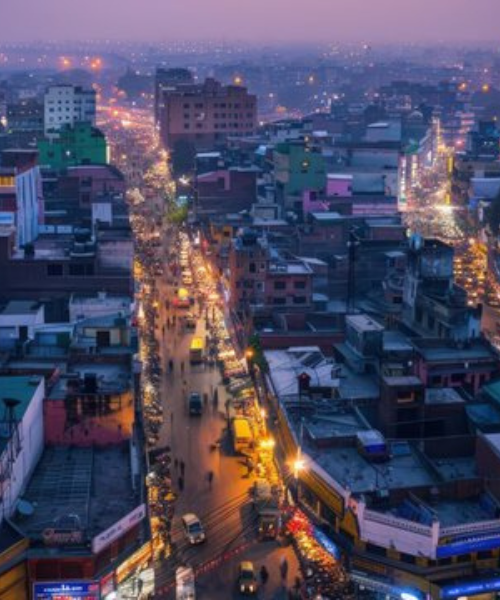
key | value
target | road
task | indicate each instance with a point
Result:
(224, 509)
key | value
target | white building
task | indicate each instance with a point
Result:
(22, 439)
(67, 105)
(18, 321)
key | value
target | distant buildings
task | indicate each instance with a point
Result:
(67, 105)
(204, 115)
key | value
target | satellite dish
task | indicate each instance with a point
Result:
(25, 508)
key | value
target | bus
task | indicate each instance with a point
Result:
(196, 350)
(242, 434)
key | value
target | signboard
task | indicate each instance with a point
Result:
(471, 588)
(107, 537)
(467, 546)
(62, 537)
(66, 590)
(7, 218)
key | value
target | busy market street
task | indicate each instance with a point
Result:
(211, 442)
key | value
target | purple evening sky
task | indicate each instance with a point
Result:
(258, 20)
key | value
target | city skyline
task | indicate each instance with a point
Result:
(260, 22)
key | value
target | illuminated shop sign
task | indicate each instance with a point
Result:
(118, 529)
(66, 590)
(467, 546)
(471, 588)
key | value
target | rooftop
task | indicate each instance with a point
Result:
(89, 488)
(110, 378)
(286, 365)
(20, 307)
(442, 350)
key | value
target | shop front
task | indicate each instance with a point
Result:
(66, 590)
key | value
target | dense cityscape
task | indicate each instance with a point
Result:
(249, 319)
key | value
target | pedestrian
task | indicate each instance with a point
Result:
(284, 568)
(183, 466)
(180, 482)
(264, 575)
(176, 464)
(210, 478)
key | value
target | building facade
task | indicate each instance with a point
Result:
(67, 105)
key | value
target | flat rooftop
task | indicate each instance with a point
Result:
(437, 350)
(20, 307)
(349, 468)
(286, 365)
(443, 396)
(91, 486)
(111, 378)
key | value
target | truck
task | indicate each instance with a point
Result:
(196, 350)
(266, 503)
(185, 584)
(242, 435)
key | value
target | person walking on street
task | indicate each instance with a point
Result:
(183, 466)
(176, 464)
(264, 574)
(180, 482)
(284, 568)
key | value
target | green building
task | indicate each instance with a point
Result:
(298, 167)
(80, 144)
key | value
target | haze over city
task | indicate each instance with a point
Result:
(259, 21)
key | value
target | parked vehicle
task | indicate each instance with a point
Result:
(266, 503)
(242, 434)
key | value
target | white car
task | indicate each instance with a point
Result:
(193, 529)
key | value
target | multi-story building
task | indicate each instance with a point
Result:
(67, 105)
(25, 208)
(166, 79)
(76, 144)
(204, 115)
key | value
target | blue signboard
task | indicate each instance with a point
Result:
(66, 590)
(466, 546)
(480, 586)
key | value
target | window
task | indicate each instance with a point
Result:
(77, 270)
(299, 299)
(199, 105)
(54, 270)
(186, 125)
(299, 285)
(279, 285)
(279, 300)
(251, 267)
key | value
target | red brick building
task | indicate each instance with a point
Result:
(205, 114)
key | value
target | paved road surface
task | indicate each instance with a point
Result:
(224, 509)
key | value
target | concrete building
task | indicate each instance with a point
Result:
(67, 105)
(76, 144)
(18, 321)
(23, 207)
(21, 436)
(204, 115)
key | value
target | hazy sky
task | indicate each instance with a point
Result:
(259, 20)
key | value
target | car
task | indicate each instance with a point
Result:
(193, 529)
(247, 580)
(195, 404)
